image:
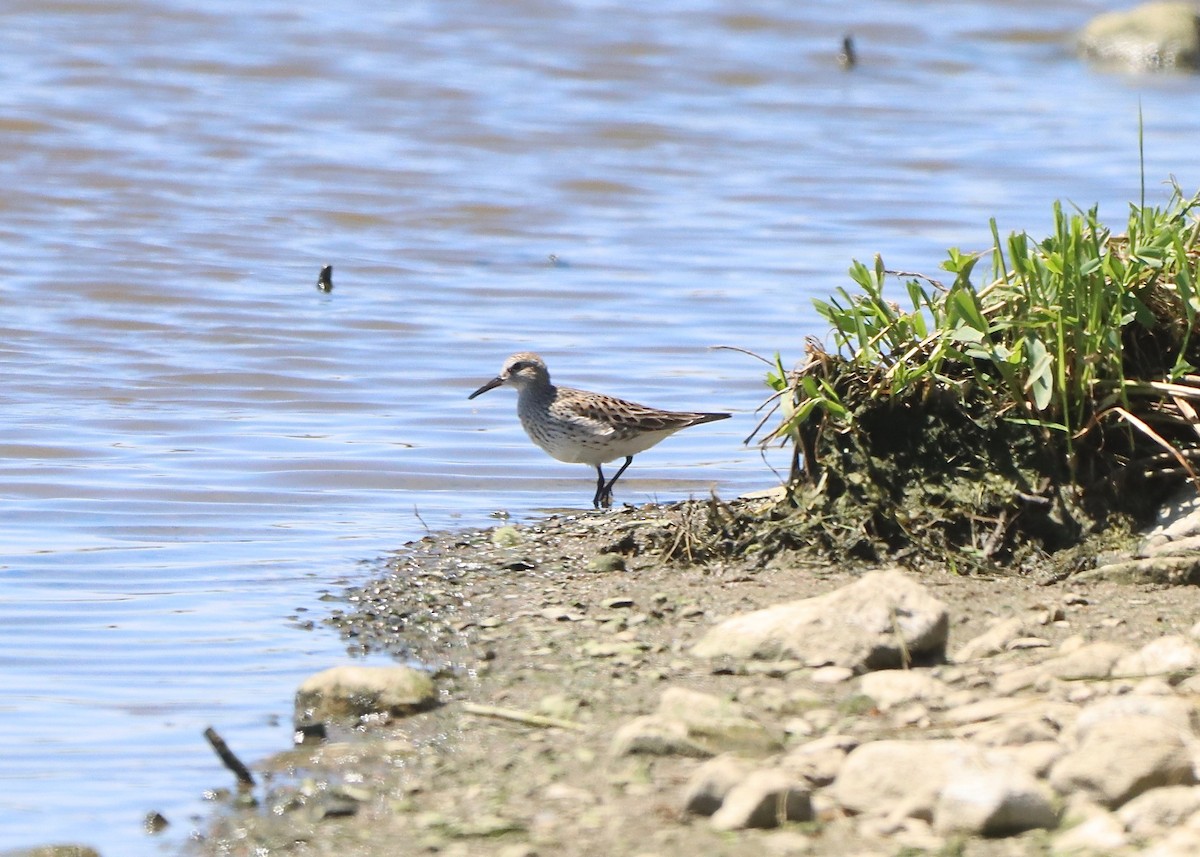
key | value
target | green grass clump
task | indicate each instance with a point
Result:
(1070, 371)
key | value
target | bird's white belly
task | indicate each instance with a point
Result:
(588, 447)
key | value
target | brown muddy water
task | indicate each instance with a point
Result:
(197, 443)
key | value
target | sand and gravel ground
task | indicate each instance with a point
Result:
(577, 618)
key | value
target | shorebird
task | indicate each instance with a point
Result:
(579, 427)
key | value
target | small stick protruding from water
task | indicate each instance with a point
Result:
(847, 56)
(244, 777)
(325, 280)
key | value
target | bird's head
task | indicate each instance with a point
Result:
(522, 370)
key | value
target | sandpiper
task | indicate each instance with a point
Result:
(586, 428)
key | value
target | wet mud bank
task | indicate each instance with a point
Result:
(620, 683)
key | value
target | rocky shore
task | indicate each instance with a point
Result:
(588, 697)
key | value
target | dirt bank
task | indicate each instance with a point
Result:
(578, 619)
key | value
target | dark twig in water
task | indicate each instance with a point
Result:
(244, 777)
(325, 280)
(847, 56)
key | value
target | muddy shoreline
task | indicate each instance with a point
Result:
(547, 637)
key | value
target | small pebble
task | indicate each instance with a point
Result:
(606, 562)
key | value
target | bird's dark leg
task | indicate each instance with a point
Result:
(604, 495)
(599, 495)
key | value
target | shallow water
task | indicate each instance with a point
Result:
(197, 443)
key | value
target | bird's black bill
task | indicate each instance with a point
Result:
(490, 385)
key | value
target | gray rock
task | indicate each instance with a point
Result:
(1177, 519)
(957, 786)
(992, 641)
(1091, 661)
(518, 849)
(788, 843)
(879, 778)
(606, 563)
(1164, 656)
(1149, 36)
(691, 723)
(348, 692)
(1024, 643)
(1153, 686)
(1037, 757)
(718, 723)
(889, 688)
(991, 795)
(1119, 758)
(1161, 570)
(712, 781)
(626, 650)
(1176, 713)
(1017, 730)
(1099, 834)
(1178, 843)
(656, 736)
(875, 623)
(764, 799)
(990, 708)
(1159, 810)
(1088, 662)
(831, 675)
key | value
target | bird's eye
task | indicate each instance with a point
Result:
(519, 365)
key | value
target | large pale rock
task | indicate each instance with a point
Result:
(1159, 810)
(1017, 730)
(712, 781)
(1161, 570)
(1166, 655)
(1011, 720)
(1099, 834)
(881, 777)
(690, 723)
(1184, 842)
(350, 692)
(1119, 758)
(652, 735)
(1037, 757)
(1149, 36)
(957, 786)
(994, 708)
(889, 688)
(1177, 523)
(1091, 661)
(875, 623)
(764, 799)
(1177, 714)
(988, 795)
